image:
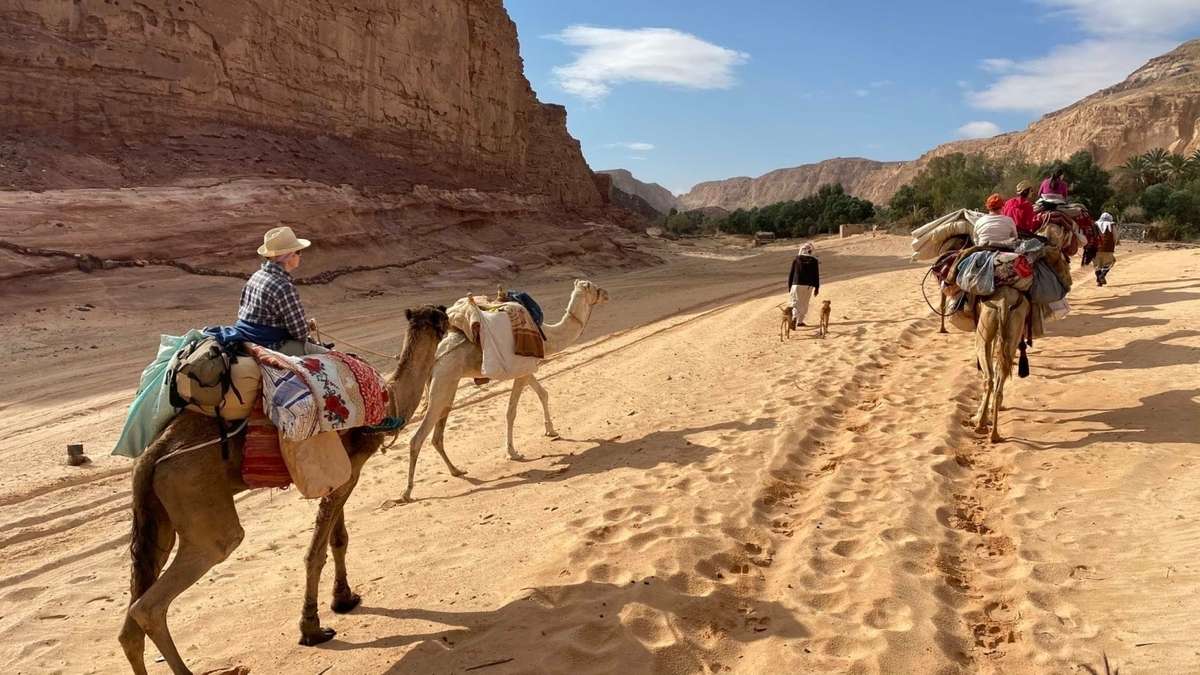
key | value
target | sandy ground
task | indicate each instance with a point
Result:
(720, 501)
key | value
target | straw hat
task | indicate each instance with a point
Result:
(280, 240)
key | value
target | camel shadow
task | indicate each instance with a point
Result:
(645, 453)
(552, 628)
(1091, 325)
(1186, 283)
(1155, 297)
(1159, 352)
(1137, 423)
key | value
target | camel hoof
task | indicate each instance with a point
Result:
(346, 605)
(997, 438)
(389, 503)
(981, 428)
(322, 635)
(457, 473)
(551, 434)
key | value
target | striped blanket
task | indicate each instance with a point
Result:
(305, 395)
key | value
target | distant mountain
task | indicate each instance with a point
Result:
(783, 184)
(657, 196)
(1157, 106)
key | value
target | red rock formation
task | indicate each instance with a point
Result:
(386, 93)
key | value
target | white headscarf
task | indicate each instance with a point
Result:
(806, 249)
(1105, 222)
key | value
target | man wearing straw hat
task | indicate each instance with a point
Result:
(270, 313)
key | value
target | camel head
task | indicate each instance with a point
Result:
(428, 317)
(591, 292)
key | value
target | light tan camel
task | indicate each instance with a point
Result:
(190, 495)
(466, 359)
(997, 332)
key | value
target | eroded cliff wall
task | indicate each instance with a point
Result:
(376, 92)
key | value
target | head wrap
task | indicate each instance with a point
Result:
(806, 248)
(994, 202)
(1106, 217)
(1105, 223)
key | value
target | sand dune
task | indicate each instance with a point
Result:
(719, 501)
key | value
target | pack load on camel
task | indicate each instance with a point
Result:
(290, 408)
(969, 266)
(507, 329)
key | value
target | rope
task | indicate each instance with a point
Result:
(236, 430)
(322, 335)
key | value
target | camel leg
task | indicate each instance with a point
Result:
(442, 388)
(208, 532)
(513, 399)
(544, 397)
(344, 597)
(942, 313)
(439, 444)
(132, 637)
(311, 631)
(984, 338)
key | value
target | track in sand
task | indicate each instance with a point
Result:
(719, 502)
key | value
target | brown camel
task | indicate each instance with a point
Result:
(997, 332)
(189, 495)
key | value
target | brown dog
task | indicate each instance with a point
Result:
(825, 309)
(785, 328)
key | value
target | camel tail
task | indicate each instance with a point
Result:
(148, 517)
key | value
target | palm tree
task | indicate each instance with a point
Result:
(1157, 159)
(1194, 165)
(1177, 168)
(1138, 168)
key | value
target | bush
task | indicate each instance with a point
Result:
(1133, 214)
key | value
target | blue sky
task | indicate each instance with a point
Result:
(680, 92)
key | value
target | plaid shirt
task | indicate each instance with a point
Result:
(270, 299)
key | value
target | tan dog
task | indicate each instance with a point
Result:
(785, 328)
(825, 310)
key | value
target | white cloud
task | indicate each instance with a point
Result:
(635, 145)
(1118, 36)
(1125, 17)
(611, 56)
(1065, 75)
(861, 92)
(997, 65)
(979, 129)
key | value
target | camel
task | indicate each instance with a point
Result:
(466, 359)
(998, 330)
(189, 495)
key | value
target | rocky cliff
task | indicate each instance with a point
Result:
(657, 196)
(1156, 106)
(396, 134)
(378, 92)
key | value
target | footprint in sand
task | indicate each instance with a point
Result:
(889, 614)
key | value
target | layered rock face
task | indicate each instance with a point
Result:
(783, 184)
(658, 197)
(384, 93)
(1158, 106)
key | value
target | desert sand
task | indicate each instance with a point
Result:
(719, 501)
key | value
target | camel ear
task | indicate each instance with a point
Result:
(408, 314)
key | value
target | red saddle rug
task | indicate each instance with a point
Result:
(262, 461)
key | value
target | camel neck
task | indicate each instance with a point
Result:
(563, 334)
(407, 381)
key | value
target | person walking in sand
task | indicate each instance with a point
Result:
(804, 281)
(270, 313)
(1106, 252)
